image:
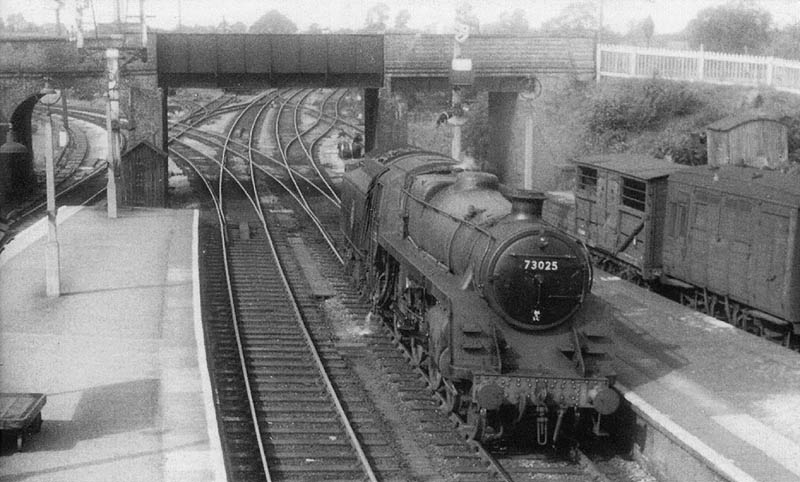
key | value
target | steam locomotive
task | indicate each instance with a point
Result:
(483, 292)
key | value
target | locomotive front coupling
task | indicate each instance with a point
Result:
(549, 396)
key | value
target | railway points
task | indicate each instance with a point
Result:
(116, 355)
(691, 426)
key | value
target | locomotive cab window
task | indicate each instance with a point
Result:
(587, 179)
(633, 193)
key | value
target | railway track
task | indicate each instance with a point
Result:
(467, 460)
(296, 416)
(283, 390)
(78, 181)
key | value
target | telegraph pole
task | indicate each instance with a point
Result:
(112, 127)
(52, 253)
(460, 74)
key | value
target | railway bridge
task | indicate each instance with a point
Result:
(389, 68)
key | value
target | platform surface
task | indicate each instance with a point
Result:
(116, 354)
(737, 394)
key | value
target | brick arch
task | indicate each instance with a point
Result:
(18, 176)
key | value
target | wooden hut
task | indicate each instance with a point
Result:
(755, 139)
(144, 176)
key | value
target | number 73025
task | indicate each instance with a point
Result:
(539, 265)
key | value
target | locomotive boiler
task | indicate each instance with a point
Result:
(483, 292)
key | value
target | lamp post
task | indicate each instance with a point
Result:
(52, 254)
(112, 126)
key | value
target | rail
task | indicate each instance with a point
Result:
(697, 66)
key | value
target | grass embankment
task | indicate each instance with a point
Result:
(661, 118)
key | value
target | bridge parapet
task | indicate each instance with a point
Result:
(59, 57)
(414, 55)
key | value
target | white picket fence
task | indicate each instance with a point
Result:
(712, 67)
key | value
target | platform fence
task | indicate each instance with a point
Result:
(699, 66)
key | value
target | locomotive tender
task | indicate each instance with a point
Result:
(483, 292)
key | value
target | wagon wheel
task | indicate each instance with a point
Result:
(476, 423)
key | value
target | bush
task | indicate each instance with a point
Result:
(637, 106)
(688, 149)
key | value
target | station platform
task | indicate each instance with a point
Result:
(726, 396)
(119, 353)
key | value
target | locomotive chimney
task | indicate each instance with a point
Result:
(525, 204)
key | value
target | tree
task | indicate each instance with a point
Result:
(640, 32)
(786, 42)
(648, 27)
(377, 15)
(273, 22)
(577, 17)
(509, 23)
(16, 23)
(315, 28)
(401, 21)
(465, 16)
(731, 28)
(238, 27)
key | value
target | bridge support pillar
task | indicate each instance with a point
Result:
(392, 123)
(502, 110)
(371, 113)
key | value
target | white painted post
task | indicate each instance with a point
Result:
(112, 125)
(598, 63)
(701, 63)
(632, 66)
(770, 70)
(52, 261)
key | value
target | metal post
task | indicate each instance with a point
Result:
(455, 147)
(117, 15)
(52, 263)
(527, 179)
(112, 126)
(144, 24)
(64, 109)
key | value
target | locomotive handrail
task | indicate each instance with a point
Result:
(454, 218)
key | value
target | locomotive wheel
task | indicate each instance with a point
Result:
(434, 376)
(417, 353)
(397, 333)
(452, 399)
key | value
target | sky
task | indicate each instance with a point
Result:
(669, 16)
